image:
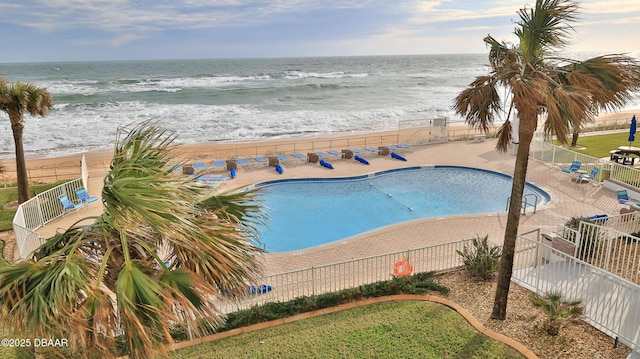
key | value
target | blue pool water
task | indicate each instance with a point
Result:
(310, 212)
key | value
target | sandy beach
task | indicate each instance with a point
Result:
(50, 169)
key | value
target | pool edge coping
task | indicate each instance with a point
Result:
(256, 186)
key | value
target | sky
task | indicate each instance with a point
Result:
(104, 30)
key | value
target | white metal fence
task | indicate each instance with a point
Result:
(38, 211)
(350, 274)
(611, 303)
(553, 155)
(627, 223)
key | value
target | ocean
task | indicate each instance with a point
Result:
(235, 99)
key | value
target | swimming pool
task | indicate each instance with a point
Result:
(310, 212)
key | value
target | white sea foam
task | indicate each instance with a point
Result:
(213, 100)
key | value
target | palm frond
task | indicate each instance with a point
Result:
(479, 103)
(110, 277)
(545, 27)
(504, 136)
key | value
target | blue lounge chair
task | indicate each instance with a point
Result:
(242, 161)
(397, 156)
(575, 165)
(68, 205)
(371, 149)
(211, 178)
(84, 196)
(199, 165)
(259, 289)
(361, 160)
(260, 159)
(623, 197)
(220, 163)
(300, 156)
(334, 153)
(588, 177)
(599, 218)
(326, 164)
(283, 158)
(404, 147)
(355, 150)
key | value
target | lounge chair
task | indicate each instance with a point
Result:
(361, 160)
(299, 156)
(588, 177)
(575, 165)
(68, 205)
(623, 197)
(211, 181)
(219, 163)
(283, 158)
(259, 289)
(211, 178)
(84, 196)
(397, 156)
(334, 153)
(199, 165)
(260, 159)
(326, 164)
(242, 161)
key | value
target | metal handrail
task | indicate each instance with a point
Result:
(525, 203)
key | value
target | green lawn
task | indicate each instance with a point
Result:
(406, 329)
(11, 194)
(600, 145)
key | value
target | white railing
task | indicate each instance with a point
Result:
(626, 175)
(38, 211)
(557, 156)
(350, 274)
(605, 247)
(611, 250)
(627, 223)
(553, 155)
(611, 303)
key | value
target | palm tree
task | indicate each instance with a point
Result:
(17, 99)
(566, 91)
(163, 252)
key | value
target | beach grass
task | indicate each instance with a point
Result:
(403, 329)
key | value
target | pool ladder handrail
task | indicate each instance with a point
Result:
(526, 203)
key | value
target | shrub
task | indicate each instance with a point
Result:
(418, 283)
(480, 259)
(558, 312)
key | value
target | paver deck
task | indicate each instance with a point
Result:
(568, 199)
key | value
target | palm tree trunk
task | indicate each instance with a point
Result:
(574, 138)
(513, 220)
(21, 166)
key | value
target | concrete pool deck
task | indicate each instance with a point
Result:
(568, 199)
